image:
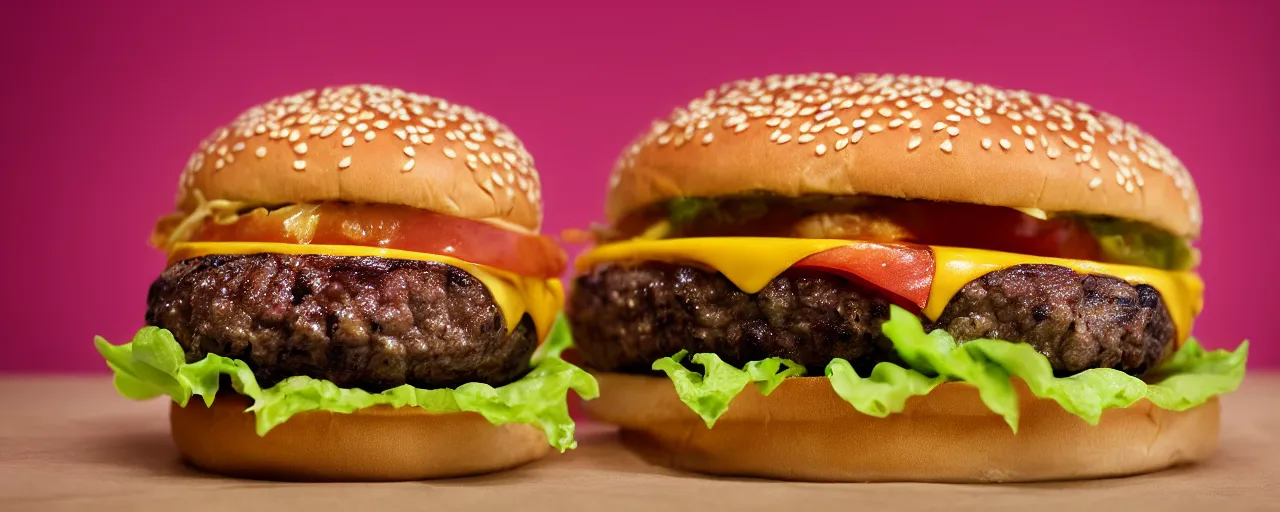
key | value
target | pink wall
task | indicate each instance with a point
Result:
(102, 106)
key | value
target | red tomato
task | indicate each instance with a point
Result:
(903, 271)
(396, 227)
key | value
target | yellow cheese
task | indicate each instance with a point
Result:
(514, 294)
(750, 263)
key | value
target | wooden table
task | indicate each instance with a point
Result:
(69, 443)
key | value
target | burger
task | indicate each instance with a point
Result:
(883, 277)
(357, 290)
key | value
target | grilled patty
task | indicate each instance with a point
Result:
(360, 322)
(626, 316)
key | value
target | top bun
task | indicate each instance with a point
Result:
(368, 144)
(906, 137)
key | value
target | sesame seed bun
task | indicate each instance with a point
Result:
(379, 443)
(906, 137)
(804, 431)
(368, 144)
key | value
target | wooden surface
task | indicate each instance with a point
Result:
(73, 444)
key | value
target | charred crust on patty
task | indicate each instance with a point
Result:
(359, 322)
(625, 316)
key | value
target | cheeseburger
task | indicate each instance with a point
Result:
(879, 277)
(357, 290)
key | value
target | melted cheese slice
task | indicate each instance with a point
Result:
(514, 294)
(750, 263)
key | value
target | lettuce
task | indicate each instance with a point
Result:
(1192, 376)
(153, 364)
(709, 394)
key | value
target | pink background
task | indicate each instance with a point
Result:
(102, 106)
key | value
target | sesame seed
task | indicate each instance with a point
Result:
(915, 124)
(1095, 182)
(408, 166)
(820, 149)
(1031, 146)
(984, 120)
(328, 130)
(299, 165)
(217, 166)
(840, 144)
(866, 113)
(858, 123)
(946, 146)
(449, 152)
(1119, 178)
(741, 127)
(1093, 162)
(706, 139)
(261, 152)
(344, 163)
(939, 126)
(895, 123)
(368, 136)
(380, 124)
(953, 130)
(953, 118)
(400, 133)
(784, 138)
(348, 142)
(874, 128)
(986, 143)
(300, 148)
(1017, 129)
(914, 142)
(1053, 153)
(294, 135)
(1004, 144)
(842, 130)
(857, 136)
(408, 150)
(238, 147)
(804, 138)
(886, 111)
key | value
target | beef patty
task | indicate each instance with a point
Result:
(360, 322)
(625, 317)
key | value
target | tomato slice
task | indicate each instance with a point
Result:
(395, 227)
(902, 271)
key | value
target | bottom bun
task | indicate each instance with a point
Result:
(380, 443)
(804, 431)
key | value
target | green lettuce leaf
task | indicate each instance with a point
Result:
(153, 364)
(1192, 376)
(882, 393)
(709, 393)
